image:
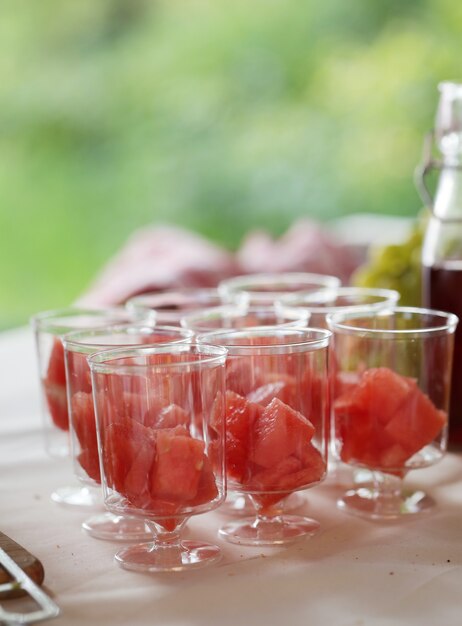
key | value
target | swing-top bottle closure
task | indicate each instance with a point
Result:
(447, 138)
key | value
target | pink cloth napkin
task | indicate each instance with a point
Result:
(163, 257)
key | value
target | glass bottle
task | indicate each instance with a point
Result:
(442, 246)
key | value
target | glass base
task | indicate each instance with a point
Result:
(147, 557)
(240, 505)
(368, 504)
(269, 531)
(110, 527)
(77, 496)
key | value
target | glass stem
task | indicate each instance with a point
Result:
(164, 538)
(387, 491)
(268, 521)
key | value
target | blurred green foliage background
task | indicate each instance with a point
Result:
(215, 115)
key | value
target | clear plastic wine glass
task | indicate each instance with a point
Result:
(168, 307)
(170, 465)
(244, 316)
(233, 317)
(49, 327)
(266, 289)
(78, 345)
(277, 407)
(319, 306)
(392, 417)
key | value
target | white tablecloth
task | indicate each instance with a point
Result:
(353, 573)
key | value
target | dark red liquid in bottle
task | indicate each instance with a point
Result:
(442, 290)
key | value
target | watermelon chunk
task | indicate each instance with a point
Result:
(279, 433)
(416, 423)
(171, 416)
(176, 473)
(282, 389)
(136, 483)
(207, 488)
(313, 470)
(385, 419)
(56, 371)
(242, 376)
(89, 461)
(268, 479)
(382, 391)
(56, 399)
(121, 446)
(54, 386)
(240, 415)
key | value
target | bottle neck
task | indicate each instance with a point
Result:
(448, 197)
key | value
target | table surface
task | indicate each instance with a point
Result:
(353, 573)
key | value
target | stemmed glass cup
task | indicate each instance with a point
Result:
(168, 307)
(78, 345)
(277, 410)
(235, 317)
(49, 328)
(392, 416)
(164, 462)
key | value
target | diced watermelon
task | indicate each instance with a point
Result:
(136, 482)
(282, 389)
(279, 432)
(54, 385)
(89, 461)
(384, 420)
(121, 447)
(78, 372)
(242, 376)
(176, 473)
(268, 479)
(171, 416)
(57, 404)
(207, 487)
(83, 419)
(166, 514)
(56, 371)
(416, 423)
(313, 470)
(382, 391)
(314, 401)
(240, 417)
(345, 382)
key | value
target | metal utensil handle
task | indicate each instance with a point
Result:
(48, 608)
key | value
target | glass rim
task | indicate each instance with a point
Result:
(336, 322)
(47, 320)
(390, 298)
(71, 340)
(237, 284)
(134, 300)
(105, 361)
(239, 310)
(305, 345)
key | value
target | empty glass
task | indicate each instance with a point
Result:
(229, 316)
(164, 461)
(265, 289)
(168, 307)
